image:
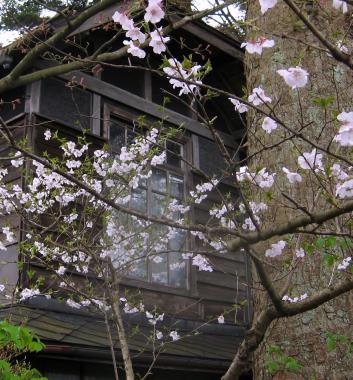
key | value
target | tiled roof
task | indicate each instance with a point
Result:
(76, 331)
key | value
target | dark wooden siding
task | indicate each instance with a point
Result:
(8, 265)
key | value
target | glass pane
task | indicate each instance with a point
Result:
(117, 136)
(159, 180)
(130, 136)
(138, 200)
(138, 268)
(173, 154)
(177, 241)
(176, 185)
(158, 204)
(159, 270)
(177, 270)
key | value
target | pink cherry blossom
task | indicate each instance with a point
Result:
(154, 12)
(158, 41)
(134, 49)
(266, 5)
(135, 34)
(239, 106)
(269, 125)
(337, 4)
(295, 77)
(123, 20)
(256, 45)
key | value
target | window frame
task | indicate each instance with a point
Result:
(110, 111)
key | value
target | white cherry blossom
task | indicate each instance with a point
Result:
(255, 45)
(345, 133)
(266, 5)
(239, 106)
(258, 97)
(276, 249)
(47, 135)
(338, 4)
(300, 253)
(134, 49)
(344, 264)
(202, 263)
(220, 319)
(345, 189)
(292, 176)
(310, 160)
(295, 77)
(174, 335)
(268, 125)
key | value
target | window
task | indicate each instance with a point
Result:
(151, 197)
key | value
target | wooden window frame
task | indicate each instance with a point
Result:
(110, 110)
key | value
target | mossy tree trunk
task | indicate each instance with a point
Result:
(301, 337)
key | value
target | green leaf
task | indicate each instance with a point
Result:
(329, 259)
(324, 102)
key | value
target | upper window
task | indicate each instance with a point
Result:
(167, 183)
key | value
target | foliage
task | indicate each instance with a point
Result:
(279, 362)
(15, 14)
(15, 341)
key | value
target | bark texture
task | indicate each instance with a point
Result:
(302, 336)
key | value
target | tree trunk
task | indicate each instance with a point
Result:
(301, 337)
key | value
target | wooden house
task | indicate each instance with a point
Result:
(106, 105)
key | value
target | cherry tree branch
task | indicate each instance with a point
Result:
(337, 54)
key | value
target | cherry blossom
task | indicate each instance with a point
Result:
(338, 172)
(175, 69)
(122, 19)
(17, 162)
(202, 263)
(47, 135)
(276, 249)
(134, 49)
(292, 176)
(10, 236)
(345, 133)
(266, 5)
(239, 106)
(300, 252)
(135, 34)
(28, 293)
(154, 12)
(345, 189)
(310, 161)
(268, 125)
(258, 97)
(295, 299)
(174, 335)
(343, 48)
(73, 304)
(158, 41)
(337, 4)
(255, 45)
(295, 77)
(344, 264)
(220, 319)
